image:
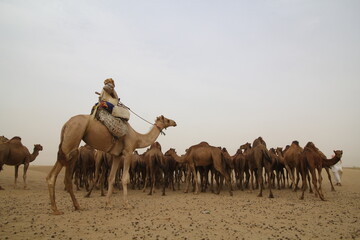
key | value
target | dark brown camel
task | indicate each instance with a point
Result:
(13, 153)
(181, 164)
(153, 159)
(85, 167)
(312, 160)
(258, 158)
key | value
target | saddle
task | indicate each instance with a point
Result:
(117, 126)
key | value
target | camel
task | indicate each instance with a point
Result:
(153, 159)
(169, 166)
(94, 133)
(202, 155)
(311, 159)
(103, 162)
(85, 167)
(13, 153)
(258, 158)
(3, 139)
(180, 164)
(292, 164)
(137, 170)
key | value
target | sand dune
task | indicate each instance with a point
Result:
(26, 214)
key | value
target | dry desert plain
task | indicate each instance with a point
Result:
(26, 214)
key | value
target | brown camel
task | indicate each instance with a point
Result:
(3, 139)
(203, 155)
(312, 159)
(292, 164)
(13, 153)
(180, 162)
(103, 163)
(258, 158)
(137, 170)
(241, 167)
(153, 159)
(94, 133)
(85, 167)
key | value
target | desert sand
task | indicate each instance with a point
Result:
(26, 214)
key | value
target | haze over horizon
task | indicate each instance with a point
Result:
(226, 71)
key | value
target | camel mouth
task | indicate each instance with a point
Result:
(175, 124)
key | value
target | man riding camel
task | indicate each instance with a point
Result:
(110, 101)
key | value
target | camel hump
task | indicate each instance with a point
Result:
(203, 144)
(295, 143)
(15, 140)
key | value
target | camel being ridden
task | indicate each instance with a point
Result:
(312, 159)
(14, 153)
(95, 134)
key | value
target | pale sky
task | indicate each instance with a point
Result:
(225, 71)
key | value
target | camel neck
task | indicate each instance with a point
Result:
(330, 162)
(34, 155)
(145, 140)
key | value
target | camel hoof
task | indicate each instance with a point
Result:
(259, 195)
(1, 188)
(271, 196)
(57, 212)
(231, 194)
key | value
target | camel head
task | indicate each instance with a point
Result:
(3, 139)
(245, 146)
(155, 145)
(338, 153)
(170, 152)
(38, 147)
(162, 122)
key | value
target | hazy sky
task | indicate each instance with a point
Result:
(225, 71)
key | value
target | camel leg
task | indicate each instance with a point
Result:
(68, 182)
(187, 180)
(228, 182)
(329, 177)
(304, 184)
(146, 178)
(320, 183)
(51, 180)
(291, 173)
(196, 181)
(260, 181)
(111, 178)
(16, 175)
(26, 167)
(314, 182)
(309, 181)
(125, 177)
(272, 176)
(241, 180)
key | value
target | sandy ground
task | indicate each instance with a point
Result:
(26, 214)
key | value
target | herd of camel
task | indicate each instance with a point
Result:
(99, 161)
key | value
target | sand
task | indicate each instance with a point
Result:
(26, 214)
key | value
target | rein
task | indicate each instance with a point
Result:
(161, 131)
